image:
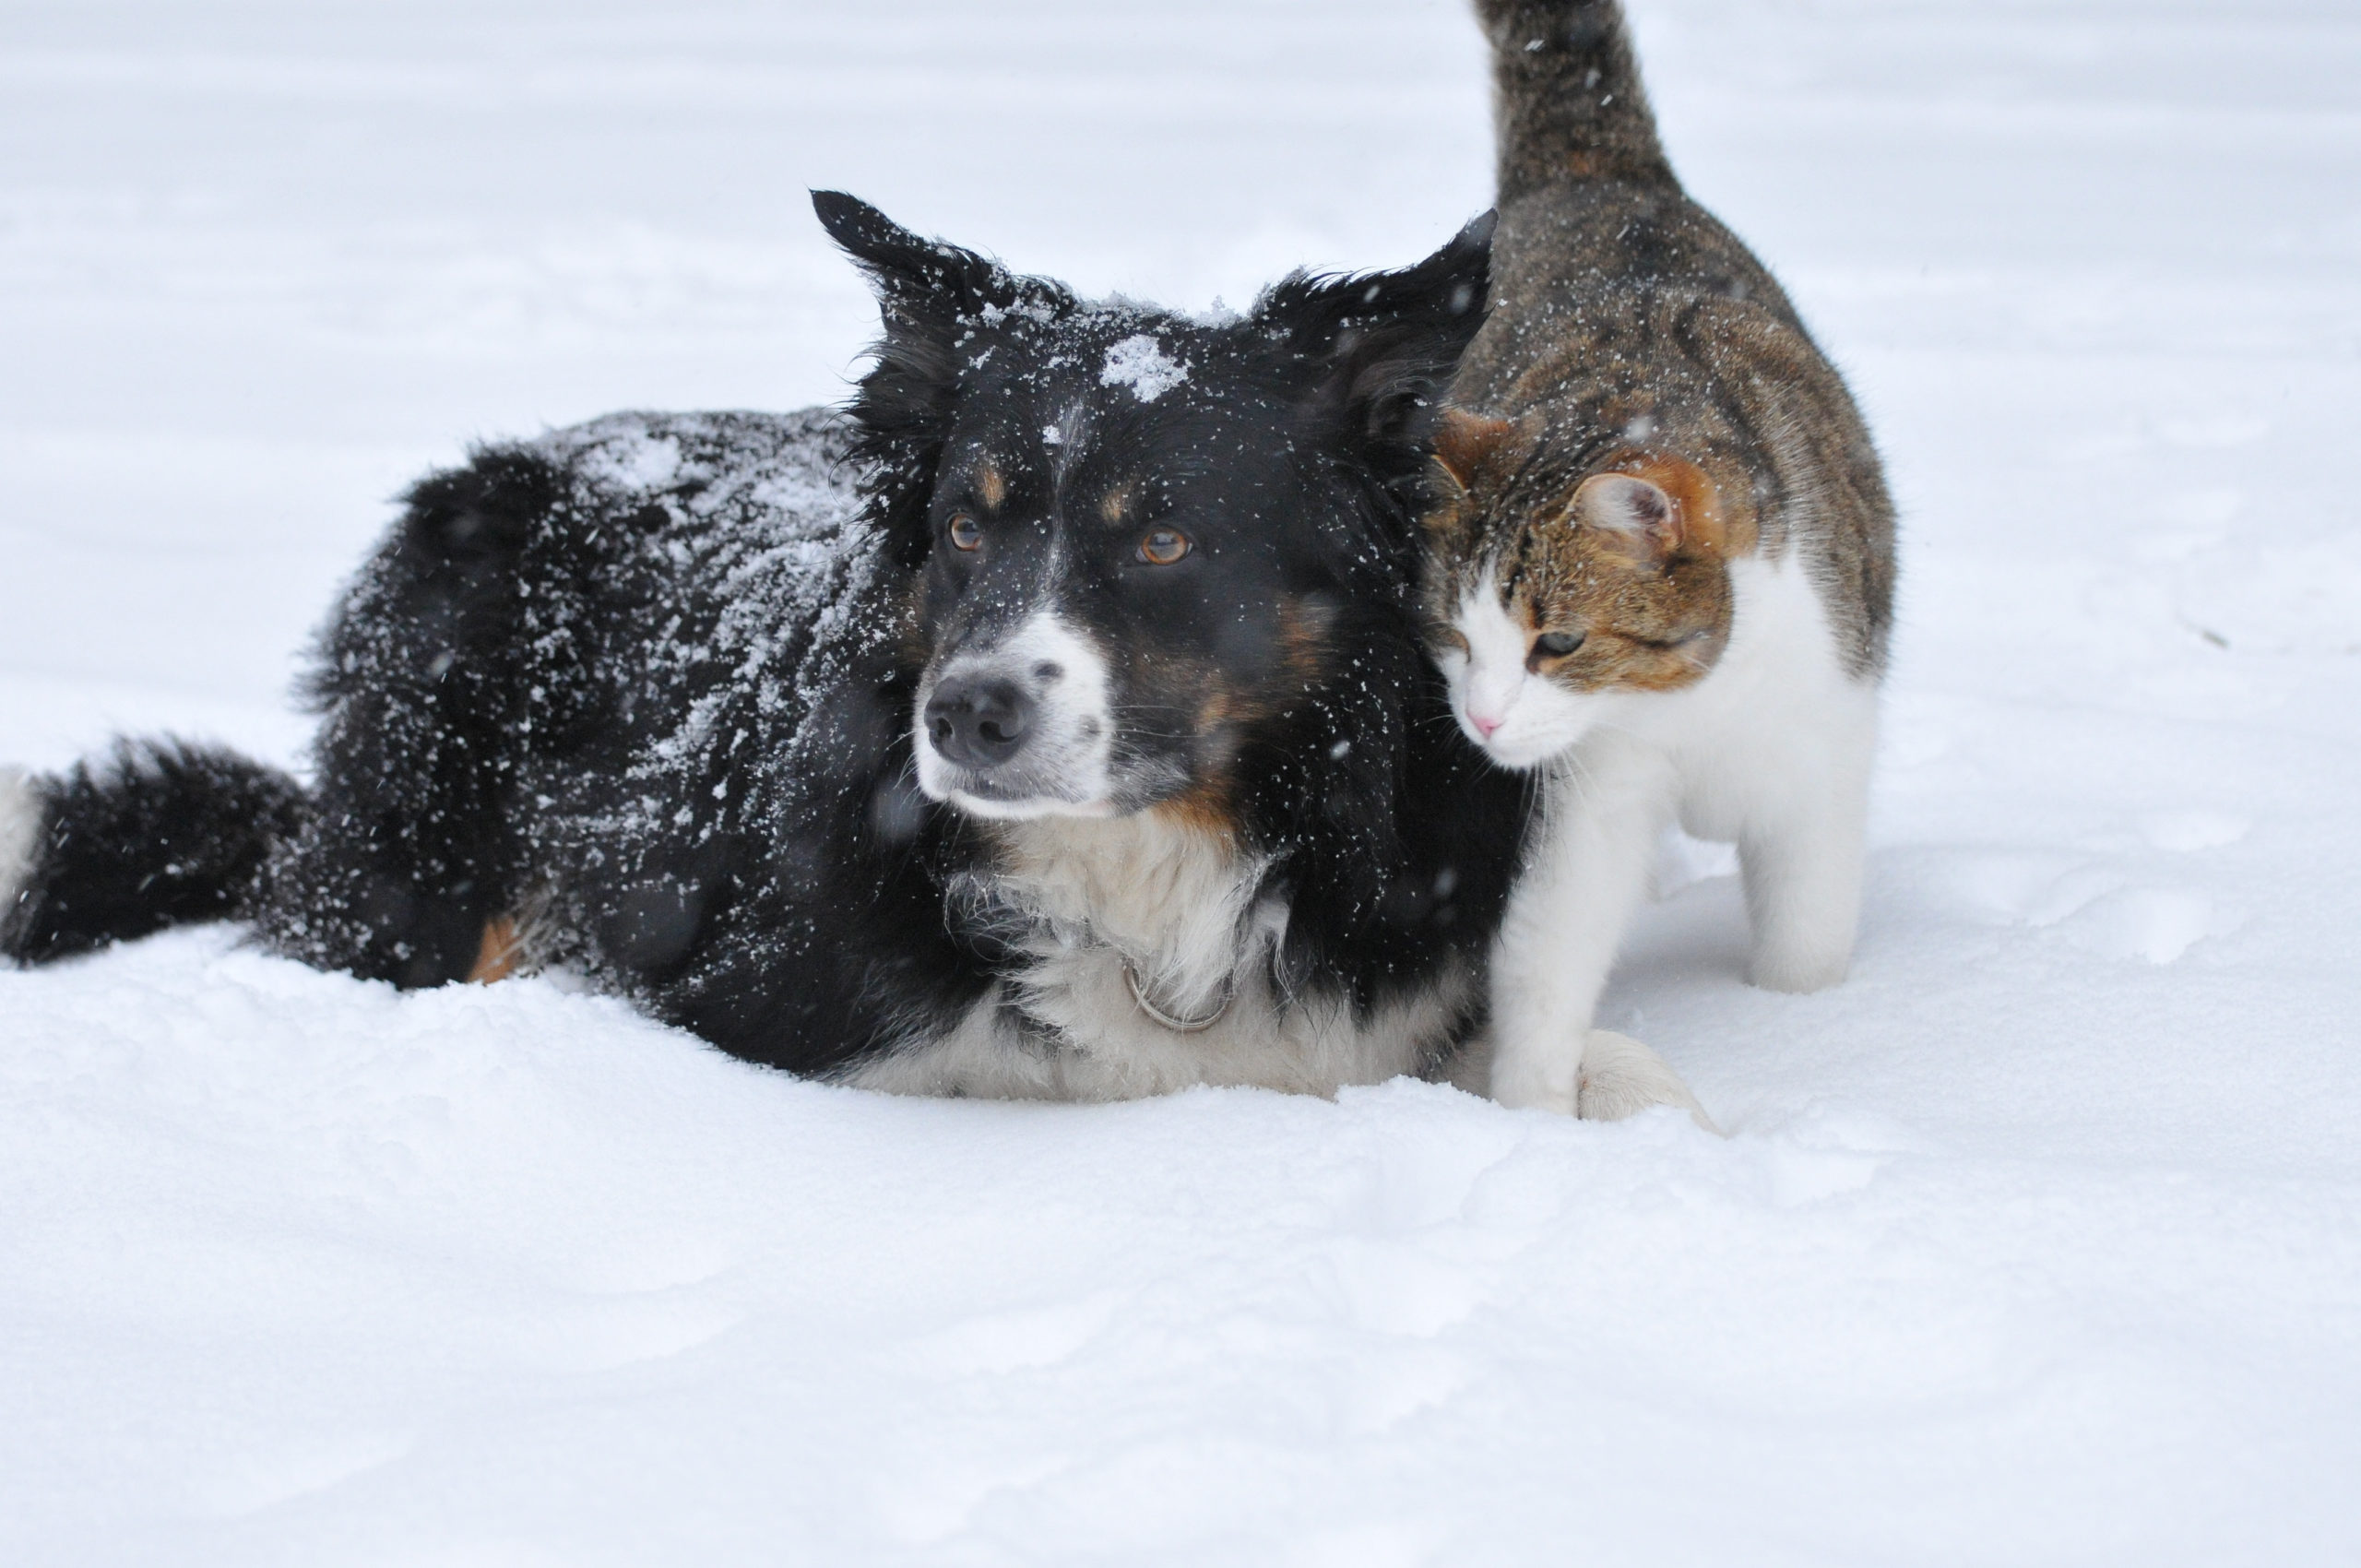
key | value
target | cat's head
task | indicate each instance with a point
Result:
(1567, 580)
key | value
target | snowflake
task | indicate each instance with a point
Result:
(1139, 362)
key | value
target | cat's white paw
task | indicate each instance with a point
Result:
(1797, 971)
(1622, 1077)
(1536, 1077)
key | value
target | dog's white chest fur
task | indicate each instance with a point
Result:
(1141, 906)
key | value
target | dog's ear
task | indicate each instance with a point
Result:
(1385, 343)
(1467, 443)
(929, 285)
(937, 300)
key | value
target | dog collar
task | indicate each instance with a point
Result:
(1178, 1026)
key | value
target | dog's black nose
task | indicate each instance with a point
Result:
(979, 721)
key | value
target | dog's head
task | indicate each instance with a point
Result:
(1135, 537)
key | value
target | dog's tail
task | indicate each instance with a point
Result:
(154, 834)
(1566, 97)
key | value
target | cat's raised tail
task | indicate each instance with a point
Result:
(1621, 1077)
(1566, 97)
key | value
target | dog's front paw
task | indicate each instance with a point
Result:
(1622, 1077)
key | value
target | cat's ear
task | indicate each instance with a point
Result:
(1627, 509)
(1467, 443)
(1655, 510)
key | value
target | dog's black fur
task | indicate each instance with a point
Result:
(648, 684)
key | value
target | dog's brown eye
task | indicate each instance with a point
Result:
(1164, 546)
(1556, 645)
(967, 533)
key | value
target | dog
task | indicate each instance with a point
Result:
(1053, 722)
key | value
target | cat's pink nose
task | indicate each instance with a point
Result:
(1484, 726)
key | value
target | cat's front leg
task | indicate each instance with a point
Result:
(1602, 811)
(1802, 854)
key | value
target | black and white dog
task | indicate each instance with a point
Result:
(1056, 723)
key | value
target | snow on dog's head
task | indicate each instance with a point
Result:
(1141, 545)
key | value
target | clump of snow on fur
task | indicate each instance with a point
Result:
(1139, 362)
(631, 460)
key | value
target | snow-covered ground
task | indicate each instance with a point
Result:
(2039, 1241)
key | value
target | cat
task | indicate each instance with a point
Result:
(1660, 561)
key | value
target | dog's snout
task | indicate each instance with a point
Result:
(978, 721)
(1015, 721)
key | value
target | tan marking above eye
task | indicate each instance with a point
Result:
(965, 532)
(1162, 547)
(1115, 502)
(991, 489)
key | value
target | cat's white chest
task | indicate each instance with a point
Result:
(1777, 707)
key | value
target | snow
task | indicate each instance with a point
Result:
(2038, 1240)
(1139, 362)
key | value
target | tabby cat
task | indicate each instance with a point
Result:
(1661, 554)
